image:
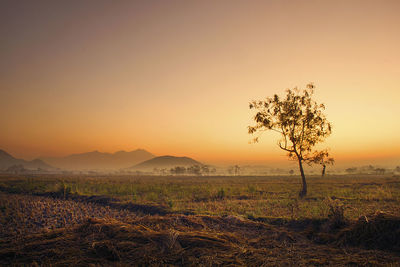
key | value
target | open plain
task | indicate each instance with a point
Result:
(199, 221)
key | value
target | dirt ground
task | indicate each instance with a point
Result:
(45, 231)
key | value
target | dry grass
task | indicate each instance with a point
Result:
(184, 241)
(379, 231)
(24, 214)
(244, 196)
(254, 221)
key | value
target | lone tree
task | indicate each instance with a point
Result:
(322, 158)
(300, 122)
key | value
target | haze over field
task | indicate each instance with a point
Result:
(165, 162)
(175, 77)
(100, 161)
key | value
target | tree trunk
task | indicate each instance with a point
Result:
(323, 170)
(303, 191)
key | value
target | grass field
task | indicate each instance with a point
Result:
(200, 220)
(237, 195)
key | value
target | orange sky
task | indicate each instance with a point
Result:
(175, 77)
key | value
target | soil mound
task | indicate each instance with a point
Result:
(379, 231)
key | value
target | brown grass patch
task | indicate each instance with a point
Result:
(181, 240)
(379, 231)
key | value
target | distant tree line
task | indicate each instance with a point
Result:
(234, 170)
(191, 170)
(371, 170)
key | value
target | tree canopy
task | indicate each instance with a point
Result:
(301, 123)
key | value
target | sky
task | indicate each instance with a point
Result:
(176, 77)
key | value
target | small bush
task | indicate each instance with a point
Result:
(293, 206)
(336, 218)
(220, 194)
(64, 190)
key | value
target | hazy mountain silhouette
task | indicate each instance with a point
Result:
(100, 161)
(7, 161)
(165, 162)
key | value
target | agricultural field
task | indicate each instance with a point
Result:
(199, 220)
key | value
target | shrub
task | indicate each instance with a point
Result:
(336, 217)
(221, 194)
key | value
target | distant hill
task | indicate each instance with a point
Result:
(165, 162)
(7, 161)
(100, 161)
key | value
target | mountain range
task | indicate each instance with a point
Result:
(96, 160)
(7, 161)
(139, 160)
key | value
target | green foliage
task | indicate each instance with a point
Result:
(170, 203)
(220, 194)
(63, 190)
(297, 117)
(251, 189)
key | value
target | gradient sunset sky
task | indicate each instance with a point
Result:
(176, 77)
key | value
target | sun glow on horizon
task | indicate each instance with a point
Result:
(176, 78)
